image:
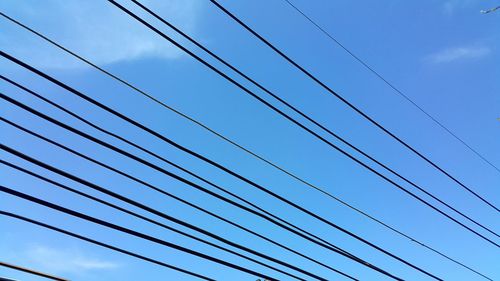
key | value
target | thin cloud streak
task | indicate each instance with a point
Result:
(93, 29)
(67, 261)
(459, 54)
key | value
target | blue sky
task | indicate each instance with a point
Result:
(443, 54)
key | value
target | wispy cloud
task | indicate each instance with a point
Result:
(459, 54)
(65, 261)
(94, 29)
(450, 7)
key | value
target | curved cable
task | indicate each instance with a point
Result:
(246, 90)
(219, 166)
(217, 134)
(104, 245)
(353, 107)
(323, 243)
(129, 231)
(194, 121)
(392, 86)
(144, 218)
(170, 195)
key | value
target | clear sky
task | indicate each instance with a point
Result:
(442, 54)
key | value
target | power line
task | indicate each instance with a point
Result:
(215, 164)
(130, 231)
(171, 196)
(126, 211)
(210, 183)
(150, 209)
(141, 235)
(104, 245)
(246, 90)
(353, 107)
(323, 243)
(270, 218)
(392, 86)
(230, 141)
(31, 271)
(170, 175)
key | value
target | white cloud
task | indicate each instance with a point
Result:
(451, 6)
(459, 54)
(92, 28)
(65, 261)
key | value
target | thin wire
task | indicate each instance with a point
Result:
(246, 90)
(219, 166)
(65, 187)
(231, 194)
(31, 271)
(129, 231)
(230, 141)
(150, 209)
(169, 195)
(104, 245)
(353, 107)
(323, 243)
(270, 218)
(376, 73)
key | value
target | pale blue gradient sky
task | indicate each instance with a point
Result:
(443, 54)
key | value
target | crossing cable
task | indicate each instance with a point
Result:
(196, 122)
(353, 107)
(210, 183)
(171, 196)
(149, 209)
(246, 90)
(129, 231)
(325, 245)
(31, 271)
(124, 210)
(104, 245)
(217, 165)
(398, 91)
(272, 218)
(321, 242)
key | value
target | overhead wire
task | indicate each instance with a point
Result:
(388, 83)
(321, 242)
(104, 245)
(131, 232)
(194, 121)
(350, 105)
(177, 198)
(31, 271)
(246, 90)
(219, 166)
(144, 218)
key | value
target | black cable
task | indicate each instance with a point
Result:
(197, 123)
(353, 107)
(149, 96)
(171, 196)
(282, 101)
(104, 245)
(31, 271)
(272, 218)
(150, 209)
(398, 91)
(129, 231)
(288, 117)
(163, 138)
(65, 187)
(323, 243)
(180, 199)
